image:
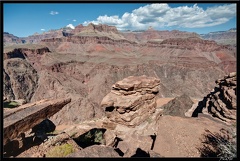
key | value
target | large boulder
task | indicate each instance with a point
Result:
(95, 151)
(131, 100)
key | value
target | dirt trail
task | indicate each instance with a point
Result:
(181, 137)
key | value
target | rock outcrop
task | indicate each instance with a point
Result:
(221, 102)
(101, 28)
(25, 52)
(131, 100)
(95, 151)
(178, 106)
(20, 79)
(27, 116)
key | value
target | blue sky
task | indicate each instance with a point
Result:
(24, 19)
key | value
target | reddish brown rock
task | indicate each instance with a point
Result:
(221, 102)
(28, 117)
(131, 100)
(85, 66)
(95, 151)
(101, 28)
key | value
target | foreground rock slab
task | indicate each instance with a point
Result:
(95, 151)
(26, 117)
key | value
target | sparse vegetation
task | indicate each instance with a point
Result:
(222, 145)
(92, 137)
(16, 46)
(10, 104)
(55, 132)
(149, 120)
(60, 151)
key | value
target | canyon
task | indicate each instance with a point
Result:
(117, 81)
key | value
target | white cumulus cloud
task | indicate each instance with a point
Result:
(71, 26)
(42, 29)
(54, 13)
(162, 15)
(74, 20)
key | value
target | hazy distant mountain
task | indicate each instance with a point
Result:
(222, 37)
(11, 39)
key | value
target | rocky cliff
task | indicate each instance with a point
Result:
(85, 65)
(20, 72)
(221, 103)
(20, 79)
(133, 127)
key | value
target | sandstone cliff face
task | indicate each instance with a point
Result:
(151, 34)
(88, 40)
(101, 28)
(221, 102)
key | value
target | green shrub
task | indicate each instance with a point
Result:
(11, 104)
(60, 151)
(92, 137)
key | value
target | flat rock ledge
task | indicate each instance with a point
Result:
(25, 117)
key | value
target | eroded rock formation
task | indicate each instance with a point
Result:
(178, 106)
(131, 100)
(221, 102)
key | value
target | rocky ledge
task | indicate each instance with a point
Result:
(23, 118)
(221, 102)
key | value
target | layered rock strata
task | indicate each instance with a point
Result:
(131, 100)
(221, 103)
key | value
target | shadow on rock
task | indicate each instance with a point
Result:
(42, 129)
(22, 143)
(140, 153)
(15, 147)
(92, 137)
